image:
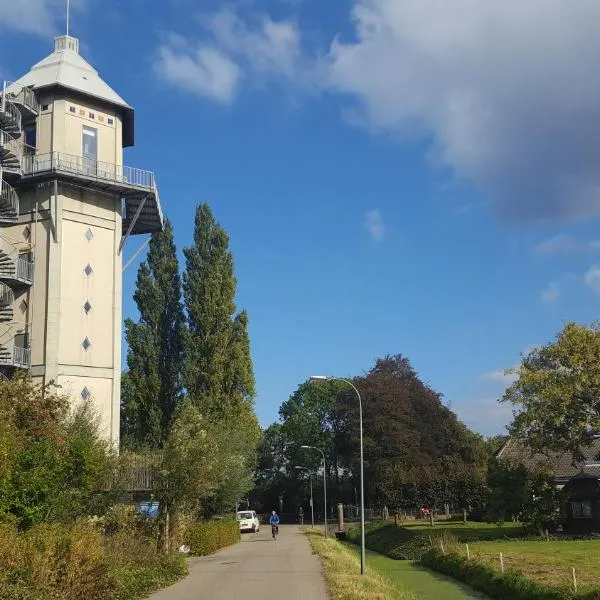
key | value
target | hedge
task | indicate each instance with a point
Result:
(511, 584)
(207, 538)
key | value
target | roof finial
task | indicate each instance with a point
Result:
(68, 14)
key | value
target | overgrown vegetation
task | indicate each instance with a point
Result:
(342, 573)
(410, 542)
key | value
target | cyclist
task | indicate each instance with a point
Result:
(274, 521)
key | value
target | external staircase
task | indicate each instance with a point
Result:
(16, 271)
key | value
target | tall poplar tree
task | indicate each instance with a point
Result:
(218, 373)
(152, 385)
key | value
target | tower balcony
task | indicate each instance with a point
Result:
(14, 356)
(7, 302)
(136, 187)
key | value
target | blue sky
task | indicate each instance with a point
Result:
(396, 177)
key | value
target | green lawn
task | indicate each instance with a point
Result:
(420, 582)
(547, 562)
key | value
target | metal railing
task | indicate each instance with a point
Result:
(8, 108)
(8, 198)
(25, 270)
(7, 296)
(22, 95)
(11, 145)
(21, 357)
(87, 167)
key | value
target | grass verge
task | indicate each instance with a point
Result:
(342, 573)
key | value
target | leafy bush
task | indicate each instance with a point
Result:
(511, 584)
(206, 538)
(71, 562)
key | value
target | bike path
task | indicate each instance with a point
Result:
(258, 568)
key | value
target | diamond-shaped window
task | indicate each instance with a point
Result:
(89, 235)
(85, 393)
(88, 270)
(87, 307)
(23, 306)
(86, 344)
(26, 233)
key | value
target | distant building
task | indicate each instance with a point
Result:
(67, 205)
(579, 482)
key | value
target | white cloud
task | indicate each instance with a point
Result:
(499, 376)
(557, 244)
(592, 278)
(230, 49)
(486, 416)
(374, 225)
(551, 293)
(507, 91)
(35, 16)
(205, 71)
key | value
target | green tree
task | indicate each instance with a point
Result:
(218, 372)
(151, 388)
(557, 392)
(209, 289)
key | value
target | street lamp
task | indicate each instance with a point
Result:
(312, 504)
(362, 480)
(324, 481)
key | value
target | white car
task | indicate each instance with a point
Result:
(248, 521)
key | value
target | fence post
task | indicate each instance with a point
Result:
(468, 553)
(501, 562)
(574, 580)
(442, 547)
(465, 516)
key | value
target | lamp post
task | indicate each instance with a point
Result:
(362, 479)
(324, 482)
(312, 504)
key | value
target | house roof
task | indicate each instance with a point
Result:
(67, 69)
(561, 464)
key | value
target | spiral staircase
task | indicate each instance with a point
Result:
(15, 270)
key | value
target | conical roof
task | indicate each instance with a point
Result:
(66, 68)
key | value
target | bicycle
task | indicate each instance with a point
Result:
(274, 531)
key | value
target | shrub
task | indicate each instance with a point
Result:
(206, 538)
(62, 562)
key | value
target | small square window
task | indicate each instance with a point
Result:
(45, 106)
(92, 115)
(110, 121)
(86, 344)
(89, 235)
(101, 118)
(72, 109)
(87, 307)
(88, 270)
(82, 112)
(85, 394)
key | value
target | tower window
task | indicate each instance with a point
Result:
(88, 270)
(72, 109)
(45, 106)
(87, 307)
(31, 136)
(110, 121)
(92, 115)
(85, 394)
(86, 344)
(89, 235)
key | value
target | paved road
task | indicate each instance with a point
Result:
(257, 568)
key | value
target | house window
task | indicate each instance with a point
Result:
(582, 510)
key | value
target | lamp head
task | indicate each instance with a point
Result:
(319, 378)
